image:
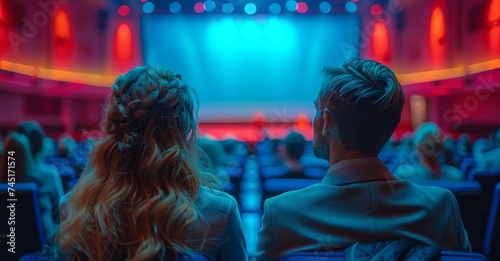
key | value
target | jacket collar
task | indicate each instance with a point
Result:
(357, 170)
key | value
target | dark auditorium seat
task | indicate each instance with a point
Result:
(339, 256)
(29, 231)
(457, 187)
(274, 187)
(493, 225)
(45, 257)
(466, 165)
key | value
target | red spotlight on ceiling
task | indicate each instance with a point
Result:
(123, 44)
(380, 43)
(199, 7)
(437, 35)
(376, 9)
(63, 35)
(124, 10)
(301, 7)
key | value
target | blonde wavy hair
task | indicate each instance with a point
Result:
(136, 198)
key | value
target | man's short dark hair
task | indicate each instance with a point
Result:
(365, 99)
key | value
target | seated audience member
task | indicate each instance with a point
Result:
(214, 152)
(291, 151)
(448, 156)
(429, 148)
(487, 152)
(68, 148)
(142, 197)
(27, 141)
(358, 108)
(405, 144)
(464, 146)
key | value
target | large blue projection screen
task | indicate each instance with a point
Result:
(240, 65)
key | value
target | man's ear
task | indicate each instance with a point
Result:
(327, 122)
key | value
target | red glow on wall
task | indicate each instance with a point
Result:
(380, 43)
(3, 12)
(494, 27)
(123, 44)
(437, 35)
(63, 35)
(4, 28)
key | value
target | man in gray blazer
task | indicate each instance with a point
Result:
(357, 110)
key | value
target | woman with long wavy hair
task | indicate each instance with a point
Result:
(142, 195)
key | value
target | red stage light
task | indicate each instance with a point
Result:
(380, 43)
(301, 7)
(494, 27)
(63, 35)
(3, 12)
(259, 119)
(124, 10)
(4, 28)
(199, 7)
(437, 35)
(123, 44)
(376, 9)
(303, 123)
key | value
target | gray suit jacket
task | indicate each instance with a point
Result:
(359, 200)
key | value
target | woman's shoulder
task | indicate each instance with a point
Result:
(215, 200)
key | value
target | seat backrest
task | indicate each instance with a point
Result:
(45, 257)
(314, 256)
(339, 256)
(24, 220)
(455, 256)
(457, 187)
(492, 217)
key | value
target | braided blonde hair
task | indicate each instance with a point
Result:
(137, 200)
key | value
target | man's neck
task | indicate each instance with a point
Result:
(337, 155)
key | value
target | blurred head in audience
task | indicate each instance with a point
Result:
(294, 146)
(135, 200)
(429, 144)
(213, 150)
(35, 134)
(406, 142)
(496, 137)
(464, 145)
(357, 110)
(66, 145)
(16, 148)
